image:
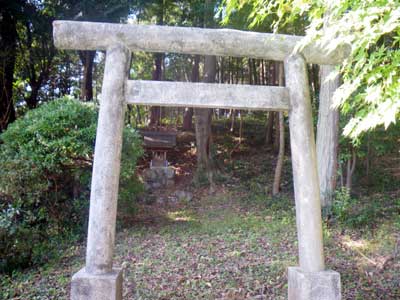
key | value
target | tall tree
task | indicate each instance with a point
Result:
(272, 116)
(94, 11)
(36, 50)
(155, 111)
(281, 125)
(327, 133)
(203, 116)
(188, 115)
(87, 60)
(65, 70)
(370, 91)
(9, 12)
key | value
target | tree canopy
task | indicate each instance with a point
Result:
(370, 93)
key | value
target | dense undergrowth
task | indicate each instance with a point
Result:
(45, 170)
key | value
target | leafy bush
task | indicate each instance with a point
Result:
(342, 205)
(45, 170)
(363, 212)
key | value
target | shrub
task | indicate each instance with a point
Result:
(45, 171)
(362, 212)
(342, 205)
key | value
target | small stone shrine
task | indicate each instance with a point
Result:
(160, 174)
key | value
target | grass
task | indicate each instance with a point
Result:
(227, 246)
(220, 252)
(234, 244)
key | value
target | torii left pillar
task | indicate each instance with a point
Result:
(98, 280)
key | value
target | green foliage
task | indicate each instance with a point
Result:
(45, 171)
(342, 204)
(201, 178)
(376, 154)
(266, 15)
(371, 82)
(357, 212)
(35, 54)
(371, 79)
(129, 184)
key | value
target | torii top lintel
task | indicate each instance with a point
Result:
(189, 40)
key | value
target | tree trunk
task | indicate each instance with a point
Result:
(203, 121)
(327, 132)
(255, 73)
(250, 71)
(8, 40)
(314, 79)
(34, 82)
(155, 111)
(138, 115)
(188, 115)
(327, 136)
(262, 72)
(279, 164)
(270, 129)
(269, 135)
(281, 154)
(87, 58)
(278, 80)
(221, 71)
(368, 159)
(203, 137)
(351, 166)
(37, 68)
(204, 115)
(276, 139)
(32, 100)
(240, 127)
(188, 119)
(232, 115)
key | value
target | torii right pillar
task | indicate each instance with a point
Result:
(309, 281)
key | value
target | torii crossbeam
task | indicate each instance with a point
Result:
(99, 280)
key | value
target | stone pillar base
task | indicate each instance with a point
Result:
(85, 286)
(324, 285)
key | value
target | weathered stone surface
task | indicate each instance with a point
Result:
(184, 196)
(169, 172)
(106, 165)
(98, 280)
(86, 286)
(304, 162)
(324, 285)
(158, 177)
(207, 95)
(189, 40)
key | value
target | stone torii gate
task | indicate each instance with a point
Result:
(99, 280)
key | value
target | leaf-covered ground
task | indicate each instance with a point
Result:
(233, 243)
(220, 247)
